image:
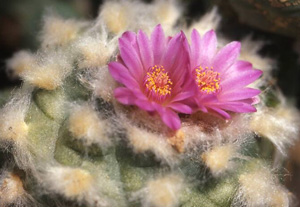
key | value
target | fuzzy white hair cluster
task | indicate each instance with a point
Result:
(85, 125)
(259, 187)
(161, 191)
(74, 184)
(12, 191)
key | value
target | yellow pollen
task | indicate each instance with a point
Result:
(207, 79)
(158, 81)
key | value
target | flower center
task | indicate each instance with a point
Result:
(207, 80)
(157, 81)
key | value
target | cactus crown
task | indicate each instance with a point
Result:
(74, 144)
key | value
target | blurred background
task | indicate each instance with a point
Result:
(277, 22)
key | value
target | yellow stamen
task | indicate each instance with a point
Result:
(158, 81)
(207, 79)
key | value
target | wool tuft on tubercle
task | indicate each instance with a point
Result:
(21, 62)
(218, 158)
(161, 191)
(259, 187)
(57, 31)
(49, 71)
(13, 127)
(12, 191)
(73, 183)
(85, 125)
(279, 125)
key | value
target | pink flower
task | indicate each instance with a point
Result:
(221, 80)
(154, 74)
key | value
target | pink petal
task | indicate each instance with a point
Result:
(255, 100)
(239, 107)
(121, 74)
(241, 74)
(226, 56)
(181, 96)
(179, 70)
(195, 49)
(170, 118)
(131, 38)
(206, 99)
(158, 42)
(182, 108)
(145, 49)
(131, 59)
(220, 112)
(238, 94)
(144, 104)
(173, 50)
(208, 48)
(200, 105)
(124, 96)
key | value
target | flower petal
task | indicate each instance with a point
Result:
(208, 48)
(179, 70)
(239, 107)
(226, 56)
(181, 108)
(130, 37)
(145, 49)
(174, 48)
(170, 118)
(238, 94)
(124, 96)
(195, 49)
(207, 99)
(220, 112)
(131, 59)
(239, 75)
(182, 95)
(158, 42)
(255, 100)
(144, 104)
(121, 74)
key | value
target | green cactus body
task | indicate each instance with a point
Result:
(81, 148)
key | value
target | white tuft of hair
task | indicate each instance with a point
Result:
(14, 129)
(280, 125)
(57, 31)
(116, 16)
(204, 130)
(119, 16)
(12, 118)
(85, 125)
(20, 62)
(162, 191)
(103, 84)
(208, 21)
(166, 12)
(12, 192)
(72, 183)
(94, 52)
(219, 158)
(250, 52)
(259, 188)
(50, 70)
(142, 140)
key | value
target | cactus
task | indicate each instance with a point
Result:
(74, 145)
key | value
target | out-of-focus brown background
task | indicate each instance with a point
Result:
(275, 21)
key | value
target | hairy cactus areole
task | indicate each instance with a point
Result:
(137, 109)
